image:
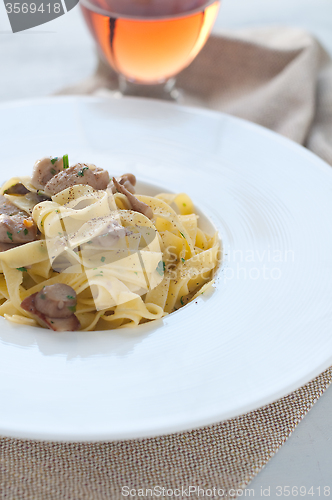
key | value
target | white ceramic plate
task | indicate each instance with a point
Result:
(263, 332)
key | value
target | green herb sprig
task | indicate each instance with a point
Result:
(80, 173)
(65, 161)
(161, 268)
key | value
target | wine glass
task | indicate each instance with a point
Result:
(148, 42)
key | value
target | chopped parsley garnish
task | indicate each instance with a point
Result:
(54, 160)
(70, 297)
(181, 300)
(103, 259)
(10, 235)
(80, 173)
(161, 267)
(72, 308)
(23, 269)
(65, 161)
(25, 231)
(183, 236)
(53, 171)
(183, 260)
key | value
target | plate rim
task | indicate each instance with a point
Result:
(192, 109)
(317, 162)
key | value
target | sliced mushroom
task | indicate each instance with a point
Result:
(45, 169)
(8, 246)
(69, 324)
(18, 188)
(126, 180)
(137, 206)
(17, 229)
(36, 198)
(101, 177)
(56, 301)
(78, 174)
(11, 221)
(8, 208)
(111, 233)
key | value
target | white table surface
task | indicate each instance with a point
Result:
(41, 61)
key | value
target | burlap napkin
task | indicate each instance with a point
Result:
(282, 79)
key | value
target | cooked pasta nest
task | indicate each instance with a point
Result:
(155, 269)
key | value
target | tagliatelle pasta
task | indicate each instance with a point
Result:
(125, 268)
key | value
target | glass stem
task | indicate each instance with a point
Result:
(165, 90)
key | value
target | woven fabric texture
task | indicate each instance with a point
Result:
(222, 458)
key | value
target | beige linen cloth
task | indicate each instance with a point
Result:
(282, 79)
